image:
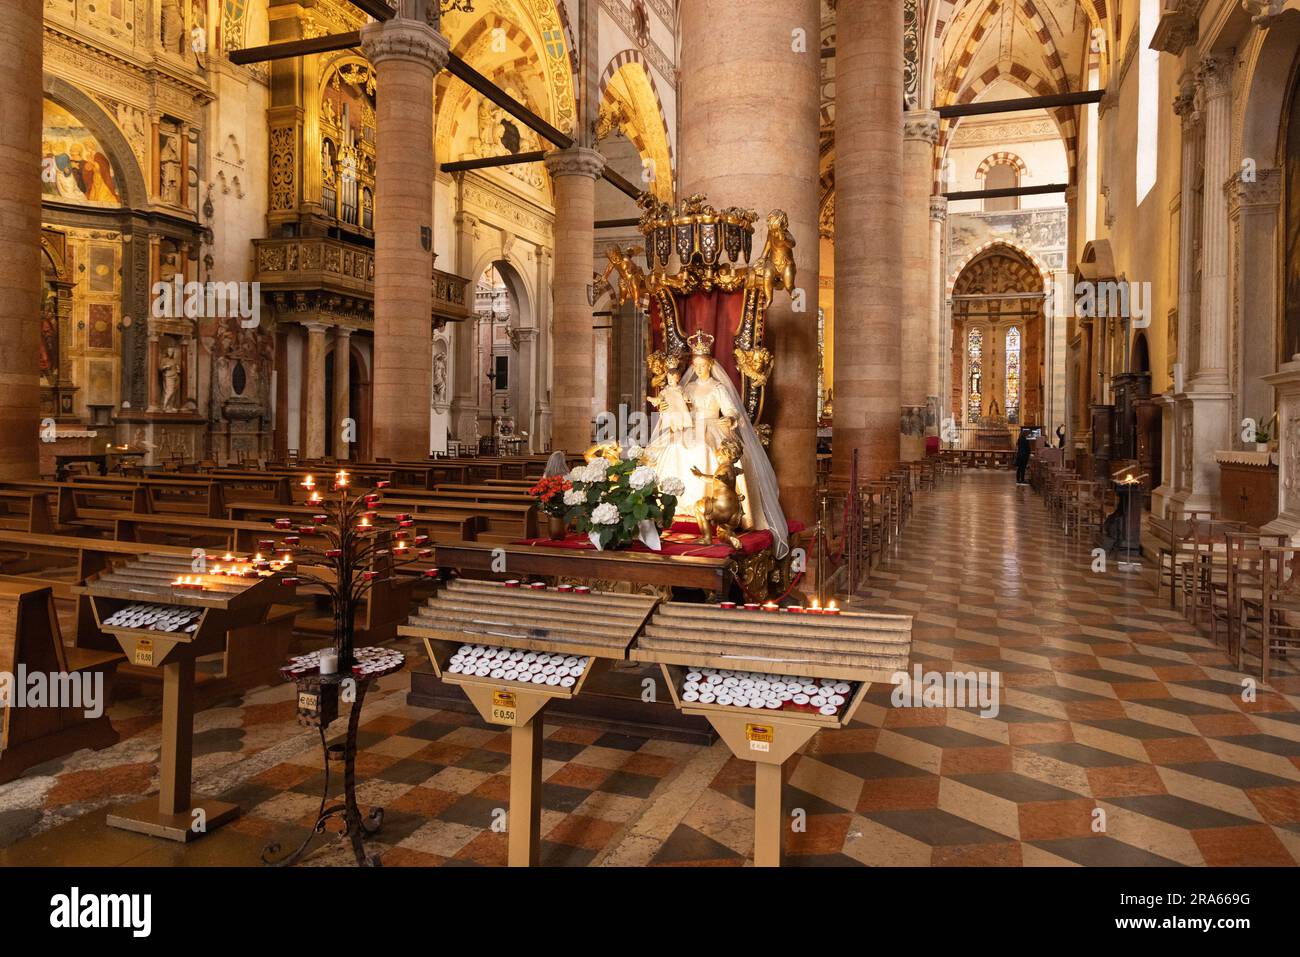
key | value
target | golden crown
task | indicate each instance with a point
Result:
(701, 343)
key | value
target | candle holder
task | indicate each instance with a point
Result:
(356, 546)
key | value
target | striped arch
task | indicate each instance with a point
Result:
(992, 245)
(1095, 9)
(951, 89)
(617, 63)
(1032, 84)
(1002, 158)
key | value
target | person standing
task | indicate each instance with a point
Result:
(1022, 457)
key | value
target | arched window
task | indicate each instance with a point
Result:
(975, 374)
(1013, 376)
(1002, 176)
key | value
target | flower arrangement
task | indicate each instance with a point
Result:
(616, 502)
(549, 493)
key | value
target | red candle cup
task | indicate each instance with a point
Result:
(382, 484)
(512, 583)
(431, 573)
(283, 523)
(288, 581)
(751, 606)
(369, 576)
(422, 539)
(581, 589)
(537, 586)
(727, 605)
(333, 552)
(425, 553)
(795, 609)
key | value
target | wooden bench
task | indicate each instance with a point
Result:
(501, 521)
(174, 495)
(31, 640)
(25, 511)
(432, 522)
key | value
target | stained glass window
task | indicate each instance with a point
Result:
(975, 373)
(1013, 376)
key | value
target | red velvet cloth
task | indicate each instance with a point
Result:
(717, 313)
(680, 541)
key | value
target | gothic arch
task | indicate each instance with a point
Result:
(1002, 158)
(649, 125)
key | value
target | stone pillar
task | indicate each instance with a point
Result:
(1215, 76)
(407, 53)
(749, 136)
(1207, 415)
(574, 172)
(540, 441)
(313, 389)
(20, 221)
(936, 386)
(868, 235)
(920, 133)
(343, 393)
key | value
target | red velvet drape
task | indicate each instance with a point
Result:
(717, 313)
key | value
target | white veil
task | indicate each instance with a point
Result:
(760, 481)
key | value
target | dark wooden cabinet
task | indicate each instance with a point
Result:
(1248, 492)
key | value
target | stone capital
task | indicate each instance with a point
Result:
(575, 161)
(1263, 190)
(342, 332)
(403, 39)
(1185, 107)
(938, 208)
(315, 328)
(1214, 74)
(921, 125)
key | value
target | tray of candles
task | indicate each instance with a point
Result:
(805, 666)
(156, 603)
(524, 637)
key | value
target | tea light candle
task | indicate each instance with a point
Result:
(770, 606)
(537, 586)
(582, 590)
(431, 573)
(751, 606)
(795, 609)
(564, 588)
(831, 609)
(727, 605)
(329, 662)
(512, 583)
(308, 483)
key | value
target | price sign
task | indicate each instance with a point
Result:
(144, 652)
(504, 710)
(759, 736)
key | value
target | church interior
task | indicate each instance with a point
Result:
(803, 433)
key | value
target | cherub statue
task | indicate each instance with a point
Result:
(609, 451)
(631, 280)
(776, 265)
(755, 364)
(719, 511)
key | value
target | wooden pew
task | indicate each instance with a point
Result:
(432, 522)
(30, 639)
(175, 495)
(502, 521)
(250, 485)
(26, 511)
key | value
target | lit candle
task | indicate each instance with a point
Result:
(309, 483)
(340, 479)
(831, 608)
(314, 498)
(771, 606)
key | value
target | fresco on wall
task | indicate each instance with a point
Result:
(77, 168)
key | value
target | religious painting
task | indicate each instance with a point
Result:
(49, 348)
(99, 326)
(75, 167)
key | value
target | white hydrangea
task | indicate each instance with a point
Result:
(597, 467)
(605, 513)
(574, 497)
(673, 486)
(579, 474)
(635, 451)
(642, 476)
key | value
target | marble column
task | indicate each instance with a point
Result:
(1215, 76)
(868, 236)
(1207, 421)
(344, 432)
(313, 387)
(20, 222)
(749, 136)
(920, 133)
(936, 387)
(407, 54)
(574, 172)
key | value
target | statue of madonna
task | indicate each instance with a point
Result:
(695, 417)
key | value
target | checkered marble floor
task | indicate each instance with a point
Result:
(1121, 738)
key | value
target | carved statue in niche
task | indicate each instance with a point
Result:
(169, 374)
(439, 377)
(173, 26)
(169, 165)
